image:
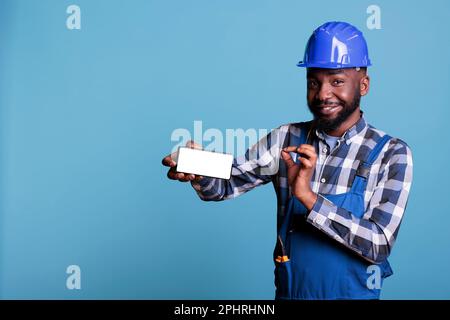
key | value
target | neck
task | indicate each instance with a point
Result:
(347, 124)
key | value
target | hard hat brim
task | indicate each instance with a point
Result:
(329, 65)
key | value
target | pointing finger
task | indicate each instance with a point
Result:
(306, 163)
(308, 146)
(291, 149)
(311, 154)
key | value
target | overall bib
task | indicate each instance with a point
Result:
(311, 265)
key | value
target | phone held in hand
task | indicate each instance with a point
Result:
(204, 163)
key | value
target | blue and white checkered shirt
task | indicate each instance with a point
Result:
(385, 198)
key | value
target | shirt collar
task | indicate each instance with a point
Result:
(357, 129)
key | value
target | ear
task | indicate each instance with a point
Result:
(364, 84)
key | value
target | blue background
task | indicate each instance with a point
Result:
(87, 115)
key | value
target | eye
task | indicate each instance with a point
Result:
(312, 84)
(338, 82)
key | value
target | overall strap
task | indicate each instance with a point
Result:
(363, 171)
(287, 218)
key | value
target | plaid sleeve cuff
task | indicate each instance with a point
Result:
(320, 212)
(322, 215)
(205, 188)
(204, 182)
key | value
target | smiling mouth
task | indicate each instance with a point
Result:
(328, 110)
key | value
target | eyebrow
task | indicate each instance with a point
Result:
(328, 72)
(335, 71)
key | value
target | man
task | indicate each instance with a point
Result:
(342, 187)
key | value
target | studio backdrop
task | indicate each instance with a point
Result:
(94, 93)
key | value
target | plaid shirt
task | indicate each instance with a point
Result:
(373, 235)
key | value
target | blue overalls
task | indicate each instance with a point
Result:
(311, 265)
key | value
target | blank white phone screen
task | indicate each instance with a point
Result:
(204, 163)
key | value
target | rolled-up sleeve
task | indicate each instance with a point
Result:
(257, 167)
(372, 236)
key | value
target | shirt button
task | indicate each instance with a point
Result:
(324, 150)
(319, 220)
(323, 180)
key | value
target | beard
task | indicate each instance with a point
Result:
(326, 124)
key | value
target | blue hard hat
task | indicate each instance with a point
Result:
(336, 45)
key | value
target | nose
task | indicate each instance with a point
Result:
(324, 92)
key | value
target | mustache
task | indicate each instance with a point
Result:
(326, 103)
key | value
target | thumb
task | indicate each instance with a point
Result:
(191, 144)
(287, 159)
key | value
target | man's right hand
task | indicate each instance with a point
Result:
(169, 161)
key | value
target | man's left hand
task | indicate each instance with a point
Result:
(299, 175)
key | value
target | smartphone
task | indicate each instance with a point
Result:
(204, 163)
